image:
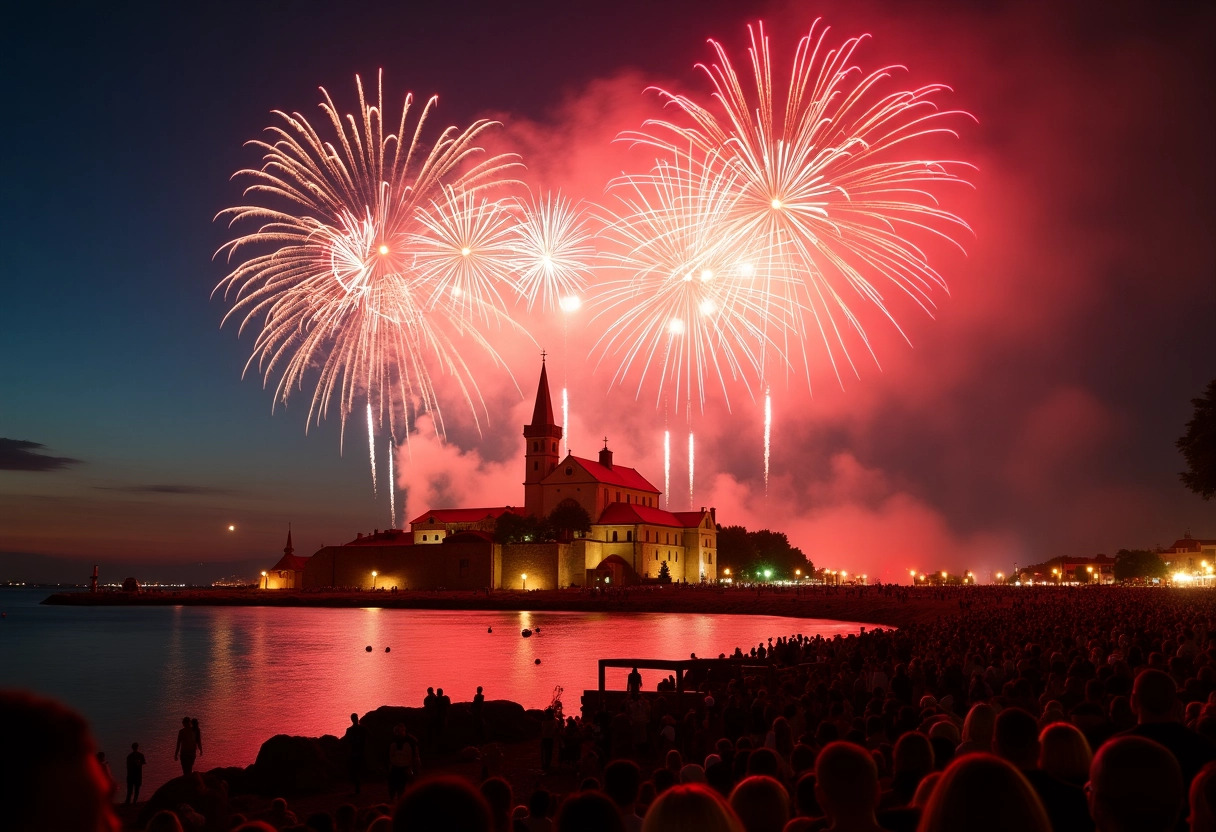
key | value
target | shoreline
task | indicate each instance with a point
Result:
(871, 606)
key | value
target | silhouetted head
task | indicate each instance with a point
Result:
(134, 746)
(1064, 753)
(588, 811)
(763, 761)
(621, 781)
(978, 726)
(913, 755)
(185, 722)
(58, 783)
(479, 688)
(846, 781)
(761, 804)
(442, 804)
(982, 791)
(500, 799)
(1134, 784)
(1203, 798)
(354, 719)
(690, 808)
(1155, 697)
(1016, 738)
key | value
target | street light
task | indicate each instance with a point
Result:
(265, 580)
(1000, 576)
(1056, 572)
(524, 577)
(768, 573)
(374, 574)
(1090, 570)
(798, 573)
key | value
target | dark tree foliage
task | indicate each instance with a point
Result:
(569, 518)
(1138, 563)
(745, 553)
(664, 573)
(511, 528)
(1081, 575)
(1198, 445)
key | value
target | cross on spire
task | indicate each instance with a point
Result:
(542, 356)
(605, 443)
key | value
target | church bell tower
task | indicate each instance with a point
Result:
(541, 440)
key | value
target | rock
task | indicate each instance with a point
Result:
(297, 765)
(206, 793)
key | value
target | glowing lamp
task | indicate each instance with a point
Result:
(768, 573)
(231, 528)
(798, 572)
(725, 571)
(943, 576)
(844, 574)
(524, 577)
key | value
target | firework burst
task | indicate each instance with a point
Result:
(821, 179)
(552, 252)
(331, 273)
(687, 307)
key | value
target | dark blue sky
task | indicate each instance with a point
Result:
(123, 126)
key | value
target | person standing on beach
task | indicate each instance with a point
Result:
(403, 761)
(187, 746)
(479, 724)
(356, 742)
(135, 773)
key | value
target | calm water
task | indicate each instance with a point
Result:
(248, 673)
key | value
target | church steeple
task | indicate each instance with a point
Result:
(540, 445)
(288, 549)
(542, 414)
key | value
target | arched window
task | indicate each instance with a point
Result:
(535, 466)
(535, 447)
(614, 537)
(709, 558)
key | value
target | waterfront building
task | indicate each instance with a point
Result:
(631, 536)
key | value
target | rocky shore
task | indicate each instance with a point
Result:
(897, 607)
(317, 767)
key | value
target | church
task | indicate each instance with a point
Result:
(630, 540)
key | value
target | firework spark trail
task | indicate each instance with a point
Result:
(551, 252)
(691, 466)
(820, 181)
(333, 288)
(371, 445)
(392, 486)
(768, 432)
(667, 467)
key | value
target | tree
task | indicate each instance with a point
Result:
(747, 553)
(1198, 445)
(511, 528)
(568, 519)
(1138, 563)
(664, 573)
(1080, 575)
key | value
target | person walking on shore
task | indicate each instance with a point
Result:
(198, 735)
(187, 746)
(135, 773)
(356, 741)
(478, 706)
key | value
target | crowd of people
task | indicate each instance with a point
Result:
(1029, 709)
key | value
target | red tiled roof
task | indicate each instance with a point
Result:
(631, 513)
(293, 562)
(616, 475)
(691, 518)
(465, 515)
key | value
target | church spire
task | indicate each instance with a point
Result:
(288, 549)
(542, 414)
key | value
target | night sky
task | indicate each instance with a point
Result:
(1033, 416)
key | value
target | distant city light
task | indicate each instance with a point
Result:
(231, 527)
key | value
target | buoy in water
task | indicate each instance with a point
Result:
(489, 629)
(526, 634)
(536, 662)
(388, 649)
(368, 648)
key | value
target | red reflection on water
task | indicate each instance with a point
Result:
(248, 673)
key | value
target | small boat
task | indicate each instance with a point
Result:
(526, 634)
